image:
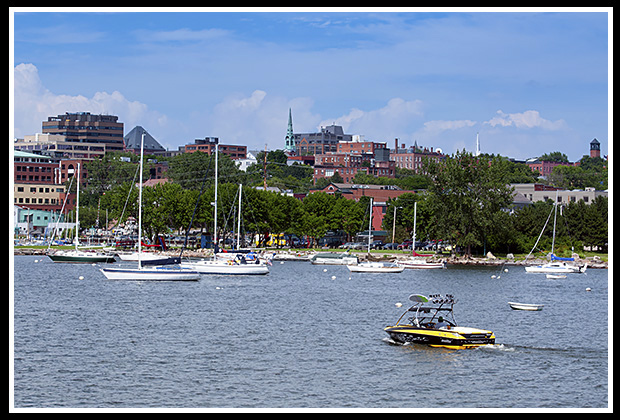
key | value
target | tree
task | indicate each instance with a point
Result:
(405, 205)
(106, 173)
(189, 169)
(554, 157)
(336, 178)
(465, 194)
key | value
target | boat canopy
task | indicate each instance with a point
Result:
(554, 258)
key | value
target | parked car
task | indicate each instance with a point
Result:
(405, 245)
(376, 244)
(347, 245)
(390, 245)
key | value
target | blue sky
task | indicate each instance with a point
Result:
(528, 82)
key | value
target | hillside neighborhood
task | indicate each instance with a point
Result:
(329, 161)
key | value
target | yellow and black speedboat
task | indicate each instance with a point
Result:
(433, 323)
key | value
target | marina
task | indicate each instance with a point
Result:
(303, 335)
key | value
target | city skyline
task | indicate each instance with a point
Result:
(528, 83)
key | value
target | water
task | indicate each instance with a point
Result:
(298, 338)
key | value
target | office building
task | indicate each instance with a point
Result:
(87, 128)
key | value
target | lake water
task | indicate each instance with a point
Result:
(298, 338)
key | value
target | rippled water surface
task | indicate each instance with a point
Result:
(300, 338)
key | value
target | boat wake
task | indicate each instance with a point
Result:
(496, 347)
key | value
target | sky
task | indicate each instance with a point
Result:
(526, 82)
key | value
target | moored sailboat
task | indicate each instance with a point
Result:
(157, 273)
(76, 255)
(557, 265)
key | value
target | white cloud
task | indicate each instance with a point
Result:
(437, 126)
(34, 103)
(183, 34)
(257, 119)
(383, 124)
(526, 120)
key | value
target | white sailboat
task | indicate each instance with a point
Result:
(155, 273)
(374, 266)
(557, 265)
(76, 255)
(238, 265)
(417, 260)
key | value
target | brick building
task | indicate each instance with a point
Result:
(380, 194)
(38, 182)
(207, 145)
(412, 158)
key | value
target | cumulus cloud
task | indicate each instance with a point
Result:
(34, 103)
(392, 120)
(527, 119)
(258, 119)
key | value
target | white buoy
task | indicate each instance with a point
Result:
(493, 276)
(505, 270)
(281, 262)
(36, 261)
(325, 270)
(588, 289)
(333, 277)
(81, 277)
(398, 304)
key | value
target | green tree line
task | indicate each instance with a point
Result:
(465, 201)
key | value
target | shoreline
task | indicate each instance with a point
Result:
(285, 255)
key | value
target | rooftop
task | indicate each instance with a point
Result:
(134, 137)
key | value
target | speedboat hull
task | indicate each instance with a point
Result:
(150, 274)
(454, 338)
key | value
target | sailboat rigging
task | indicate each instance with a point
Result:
(557, 264)
(76, 255)
(156, 273)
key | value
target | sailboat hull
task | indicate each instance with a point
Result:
(81, 257)
(220, 267)
(150, 274)
(557, 268)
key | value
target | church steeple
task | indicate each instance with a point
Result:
(290, 138)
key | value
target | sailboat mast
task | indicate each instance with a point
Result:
(370, 226)
(140, 205)
(239, 219)
(415, 215)
(77, 208)
(555, 216)
(215, 210)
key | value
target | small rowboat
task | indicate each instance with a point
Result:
(525, 306)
